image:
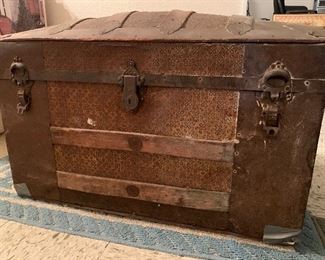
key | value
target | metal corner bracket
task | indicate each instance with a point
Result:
(280, 235)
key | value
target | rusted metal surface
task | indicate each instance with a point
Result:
(20, 76)
(133, 90)
(303, 61)
(144, 167)
(199, 114)
(187, 198)
(28, 52)
(246, 83)
(277, 92)
(147, 143)
(181, 71)
(29, 142)
(272, 175)
(183, 27)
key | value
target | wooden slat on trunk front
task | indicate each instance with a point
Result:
(188, 198)
(156, 144)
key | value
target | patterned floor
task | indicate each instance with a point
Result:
(177, 241)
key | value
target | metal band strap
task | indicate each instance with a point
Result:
(177, 81)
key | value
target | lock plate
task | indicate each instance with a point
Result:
(133, 90)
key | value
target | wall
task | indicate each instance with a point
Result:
(59, 11)
(264, 8)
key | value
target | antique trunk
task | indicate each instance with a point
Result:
(201, 120)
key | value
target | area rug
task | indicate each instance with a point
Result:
(147, 235)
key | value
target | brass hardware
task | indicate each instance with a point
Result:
(20, 76)
(133, 90)
(277, 91)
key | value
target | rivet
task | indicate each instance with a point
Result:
(135, 143)
(132, 191)
(307, 83)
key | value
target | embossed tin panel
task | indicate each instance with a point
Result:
(192, 113)
(142, 167)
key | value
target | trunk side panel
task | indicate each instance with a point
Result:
(272, 175)
(28, 136)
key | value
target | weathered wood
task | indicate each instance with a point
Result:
(175, 146)
(188, 198)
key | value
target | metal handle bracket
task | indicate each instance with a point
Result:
(277, 91)
(20, 76)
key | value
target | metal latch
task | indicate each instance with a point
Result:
(20, 77)
(133, 90)
(277, 91)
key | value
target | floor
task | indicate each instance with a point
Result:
(22, 242)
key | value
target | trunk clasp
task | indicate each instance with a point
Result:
(20, 76)
(133, 90)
